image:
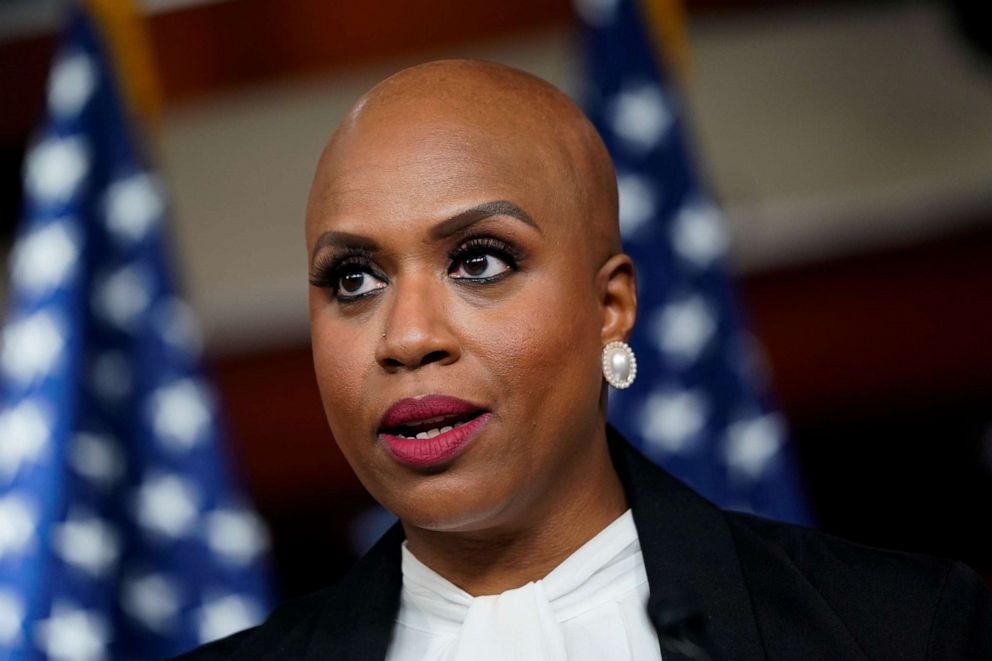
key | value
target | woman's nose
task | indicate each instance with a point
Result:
(417, 329)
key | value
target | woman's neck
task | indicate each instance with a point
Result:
(510, 554)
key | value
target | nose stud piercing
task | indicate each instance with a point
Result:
(619, 365)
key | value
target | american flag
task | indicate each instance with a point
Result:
(122, 534)
(697, 406)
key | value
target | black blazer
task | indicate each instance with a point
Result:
(723, 585)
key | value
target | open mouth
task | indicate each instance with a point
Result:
(430, 431)
(431, 427)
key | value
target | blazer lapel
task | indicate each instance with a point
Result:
(357, 619)
(699, 600)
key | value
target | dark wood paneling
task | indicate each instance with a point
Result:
(278, 428)
(879, 329)
(23, 71)
(233, 43)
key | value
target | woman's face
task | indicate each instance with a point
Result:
(452, 287)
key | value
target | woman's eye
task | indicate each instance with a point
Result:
(356, 283)
(479, 266)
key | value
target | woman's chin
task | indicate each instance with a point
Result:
(454, 515)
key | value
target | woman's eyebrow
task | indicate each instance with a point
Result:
(460, 221)
(442, 230)
(343, 239)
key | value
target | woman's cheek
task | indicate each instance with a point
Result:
(339, 370)
(534, 341)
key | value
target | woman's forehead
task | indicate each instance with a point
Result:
(430, 174)
(446, 136)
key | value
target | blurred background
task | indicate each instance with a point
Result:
(849, 145)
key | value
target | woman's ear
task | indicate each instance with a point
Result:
(616, 284)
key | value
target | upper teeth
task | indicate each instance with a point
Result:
(431, 433)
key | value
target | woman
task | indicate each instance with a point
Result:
(468, 306)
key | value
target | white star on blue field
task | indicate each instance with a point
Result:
(121, 533)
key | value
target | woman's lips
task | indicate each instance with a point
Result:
(427, 432)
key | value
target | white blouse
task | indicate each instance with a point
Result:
(590, 607)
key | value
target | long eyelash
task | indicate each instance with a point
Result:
(474, 245)
(328, 269)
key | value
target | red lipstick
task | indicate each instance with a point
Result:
(430, 431)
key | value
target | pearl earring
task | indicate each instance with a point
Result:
(619, 365)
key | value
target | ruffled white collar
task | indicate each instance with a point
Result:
(599, 591)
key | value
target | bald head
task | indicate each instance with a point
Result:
(449, 115)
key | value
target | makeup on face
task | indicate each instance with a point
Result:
(429, 431)
(479, 251)
(440, 273)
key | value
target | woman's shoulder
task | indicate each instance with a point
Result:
(293, 620)
(820, 555)
(351, 619)
(789, 592)
(886, 599)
